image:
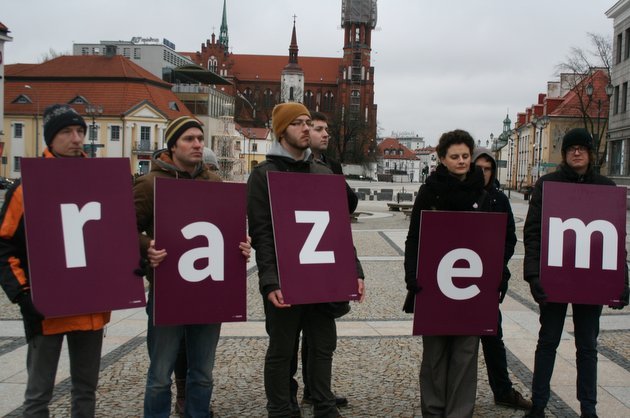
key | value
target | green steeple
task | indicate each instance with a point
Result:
(223, 35)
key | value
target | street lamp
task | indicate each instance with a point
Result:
(27, 86)
(540, 123)
(93, 111)
(596, 137)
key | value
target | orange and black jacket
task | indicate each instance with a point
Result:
(14, 274)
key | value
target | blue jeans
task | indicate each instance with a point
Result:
(163, 344)
(586, 326)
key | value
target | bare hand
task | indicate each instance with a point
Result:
(361, 290)
(276, 298)
(246, 248)
(155, 256)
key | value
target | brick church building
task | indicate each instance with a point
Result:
(342, 88)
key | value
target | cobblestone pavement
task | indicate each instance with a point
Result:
(378, 374)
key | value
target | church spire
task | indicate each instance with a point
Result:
(223, 35)
(293, 48)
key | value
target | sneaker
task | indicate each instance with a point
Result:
(535, 412)
(514, 400)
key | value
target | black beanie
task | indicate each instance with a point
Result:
(177, 127)
(57, 117)
(577, 136)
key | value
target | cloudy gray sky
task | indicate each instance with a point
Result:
(439, 64)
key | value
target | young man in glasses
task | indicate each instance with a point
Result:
(576, 167)
(290, 153)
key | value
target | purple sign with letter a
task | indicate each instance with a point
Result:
(460, 266)
(203, 279)
(314, 250)
(582, 252)
(81, 235)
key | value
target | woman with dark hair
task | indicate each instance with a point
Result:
(448, 373)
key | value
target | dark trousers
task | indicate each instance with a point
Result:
(282, 327)
(586, 327)
(496, 362)
(84, 349)
(303, 355)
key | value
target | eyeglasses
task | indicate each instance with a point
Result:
(577, 148)
(302, 122)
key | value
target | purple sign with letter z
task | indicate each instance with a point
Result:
(314, 250)
(583, 238)
(203, 279)
(460, 266)
(81, 235)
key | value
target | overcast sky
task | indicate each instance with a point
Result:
(439, 64)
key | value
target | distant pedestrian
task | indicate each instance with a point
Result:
(576, 167)
(493, 348)
(64, 133)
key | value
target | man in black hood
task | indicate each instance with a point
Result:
(493, 347)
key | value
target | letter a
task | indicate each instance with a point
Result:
(72, 221)
(186, 264)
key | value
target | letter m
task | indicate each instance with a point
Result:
(583, 233)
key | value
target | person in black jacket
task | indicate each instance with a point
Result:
(290, 153)
(492, 345)
(448, 373)
(576, 167)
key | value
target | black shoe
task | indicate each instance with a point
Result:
(340, 401)
(535, 412)
(514, 400)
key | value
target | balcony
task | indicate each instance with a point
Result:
(143, 147)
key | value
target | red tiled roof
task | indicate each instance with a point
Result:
(62, 79)
(269, 68)
(393, 144)
(570, 105)
(253, 133)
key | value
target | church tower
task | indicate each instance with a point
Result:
(292, 79)
(356, 84)
(223, 34)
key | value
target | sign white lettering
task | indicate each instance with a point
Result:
(309, 253)
(447, 270)
(583, 233)
(213, 252)
(72, 221)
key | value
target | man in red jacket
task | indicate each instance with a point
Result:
(64, 132)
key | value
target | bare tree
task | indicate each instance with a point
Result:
(52, 54)
(350, 140)
(579, 71)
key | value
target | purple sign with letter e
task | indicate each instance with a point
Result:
(460, 266)
(314, 250)
(583, 238)
(203, 279)
(81, 235)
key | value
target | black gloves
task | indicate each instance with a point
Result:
(412, 289)
(623, 299)
(141, 271)
(30, 315)
(537, 291)
(503, 287)
(413, 286)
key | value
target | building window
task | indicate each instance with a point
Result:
(329, 102)
(616, 158)
(309, 100)
(145, 133)
(212, 64)
(96, 51)
(616, 101)
(136, 53)
(626, 54)
(619, 45)
(624, 97)
(127, 52)
(268, 101)
(85, 50)
(93, 132)
(114, 133)
(18, 130)
(17, 163)
(355, 101)
(254, 147)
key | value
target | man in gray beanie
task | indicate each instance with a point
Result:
(576, 167)
(64, 132)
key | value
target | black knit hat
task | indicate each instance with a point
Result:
(577, 136)
(57, 117)
(177, 127)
